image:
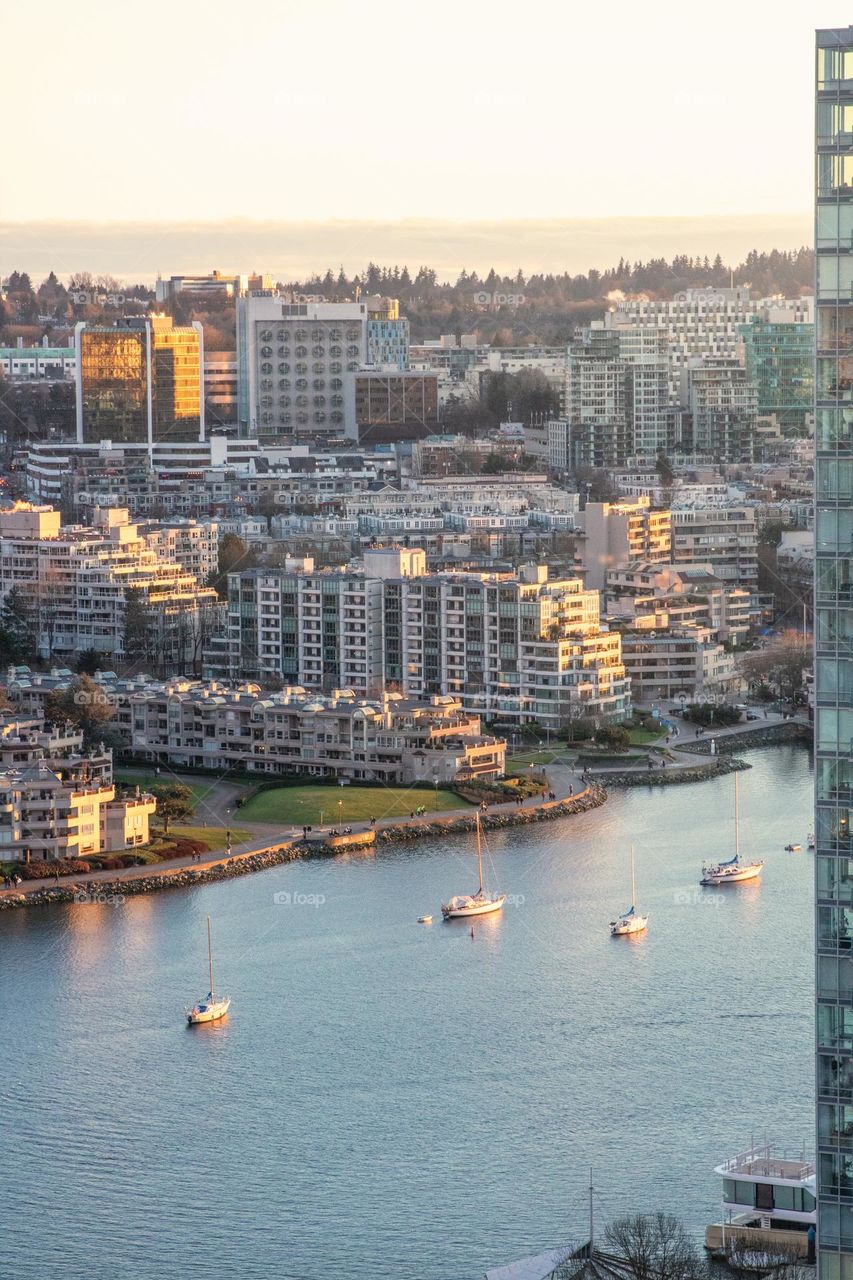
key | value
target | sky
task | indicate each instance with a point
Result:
(333, 112)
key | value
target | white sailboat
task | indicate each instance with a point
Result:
(630, 921)
(733, 871)
(212, 1007)
(474, 904)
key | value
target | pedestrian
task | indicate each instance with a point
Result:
(412, 815)
(571, 791)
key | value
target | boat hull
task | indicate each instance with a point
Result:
(622, 928)
(473, 908)
(208, 1013)
(732, 877)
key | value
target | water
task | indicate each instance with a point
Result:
(394, 1100)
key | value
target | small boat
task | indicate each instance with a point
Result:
(630, 921)
(810, 840)
(424, 919)
(793, 848)
(474, 904)
(733, 871)
(212, 1007)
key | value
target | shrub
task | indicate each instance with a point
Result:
(39, 870)
(709, 713)
(613, 736)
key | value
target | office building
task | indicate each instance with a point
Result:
(833, 640)
(139, 380)
(779, 357)
(387, 334)
(391, 405)
(296, 366)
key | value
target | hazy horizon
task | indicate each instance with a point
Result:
(136, 252)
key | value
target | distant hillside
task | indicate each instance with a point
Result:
(547, 308)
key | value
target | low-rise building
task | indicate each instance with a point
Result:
(681, 593)
(682, 660)
(195, 724)
(724, 537)
(57, 800)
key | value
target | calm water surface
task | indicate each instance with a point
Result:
(392, 1100)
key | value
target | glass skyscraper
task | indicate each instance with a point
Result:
(834, 648)
(139, 381)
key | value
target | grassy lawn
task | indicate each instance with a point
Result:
(521, 759)
(147, 778)
(213, 837)
(303, 805)
(643, 737)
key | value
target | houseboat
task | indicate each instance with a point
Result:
(767, 1196)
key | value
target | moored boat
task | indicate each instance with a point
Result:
(630, 921)
(212, 1007)
(480, 903)
(732, 871)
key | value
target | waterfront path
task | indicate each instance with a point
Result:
(563, 781)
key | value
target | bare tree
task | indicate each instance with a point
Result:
(655, 1246)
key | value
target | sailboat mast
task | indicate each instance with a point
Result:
(737, 818)
(633, 885)
(210, 956)
(479, 856)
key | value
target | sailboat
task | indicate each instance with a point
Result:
(630, 921)
(212, 1007)
(475, 904)
(734, 871)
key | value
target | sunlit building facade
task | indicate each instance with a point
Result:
(834, 650)
(139, 381)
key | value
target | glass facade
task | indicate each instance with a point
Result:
(113, 373)
(834, 648)
(176, 381)
(780, 364)
(140, 380)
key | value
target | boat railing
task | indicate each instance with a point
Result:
(769, 1162)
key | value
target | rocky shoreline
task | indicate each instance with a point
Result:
(113, 891)
(762, 736)
(671, 776)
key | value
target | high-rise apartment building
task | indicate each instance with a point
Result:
(720, 403)
(296, 366)
(724, 537)
(77, 584)
(139, 381)
(834, 649)
(516, 647)
(616, 534)
(702, 322)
